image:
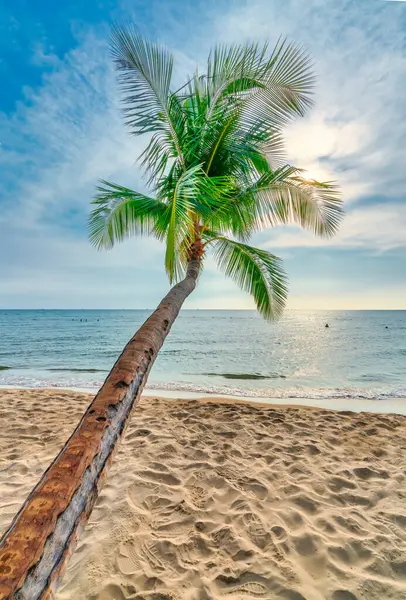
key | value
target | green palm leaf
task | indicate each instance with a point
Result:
(177, 223)
(256, 271)
(283, 197)
(286, 89)
(145, 73)
(264, 90)
(121, 213)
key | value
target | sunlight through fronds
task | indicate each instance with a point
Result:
(215, 160)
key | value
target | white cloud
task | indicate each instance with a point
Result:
(309, 141)
(41, 57)
(377, 228)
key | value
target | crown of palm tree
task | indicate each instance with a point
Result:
(215, 161)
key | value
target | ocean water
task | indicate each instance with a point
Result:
(362, 354)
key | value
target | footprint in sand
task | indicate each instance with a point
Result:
(128, 559)
(175, 529)
(247, 584)
(138, 492)
(258, 590)
(191, 553)
(198, 496)
(225, 539)
(159, 506)
(255, 529)
(160, 555)
(253, 487)
(240, 506)
(227, 472)
(168, 517)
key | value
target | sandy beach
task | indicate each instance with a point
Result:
(213, 499)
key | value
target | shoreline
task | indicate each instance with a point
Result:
(395, 406)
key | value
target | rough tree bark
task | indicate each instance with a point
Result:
(35, 549)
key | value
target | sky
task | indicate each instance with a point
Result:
(61, 130)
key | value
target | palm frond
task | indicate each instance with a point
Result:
(256, 271)
(265, 90)
(287, 86)
(177, 224)
(285, 197)
(273, 149)
(145, 73)
(120, 213)
(156, 157)
(232, 69)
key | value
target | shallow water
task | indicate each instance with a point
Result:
(362, 354)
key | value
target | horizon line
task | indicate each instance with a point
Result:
(216, 309)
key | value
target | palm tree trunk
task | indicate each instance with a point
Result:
(35, 549)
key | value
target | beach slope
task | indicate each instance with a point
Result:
(218, 499)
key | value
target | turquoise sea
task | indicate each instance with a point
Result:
(362, 354)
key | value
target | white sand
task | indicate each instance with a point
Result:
(211, 500)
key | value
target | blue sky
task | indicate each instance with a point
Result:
(61, 130)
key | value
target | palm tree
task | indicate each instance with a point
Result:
(217, 174)
(215, 162)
